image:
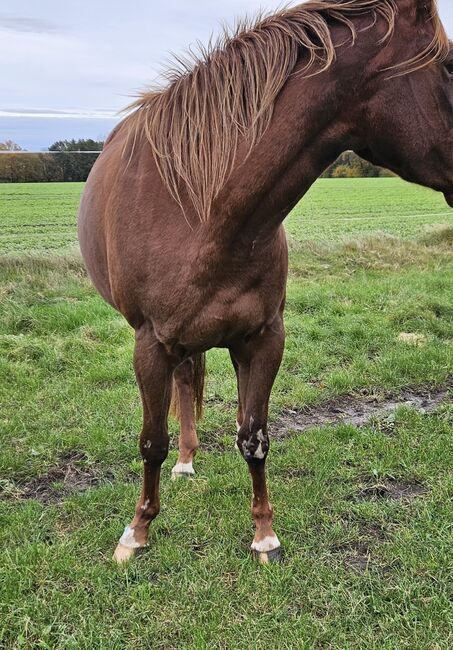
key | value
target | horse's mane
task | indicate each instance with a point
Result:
(226, 92)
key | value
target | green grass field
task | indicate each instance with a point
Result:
(364, 512)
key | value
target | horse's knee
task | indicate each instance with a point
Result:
(154, 452)
(253, 442)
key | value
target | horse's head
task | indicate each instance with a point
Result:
(407, 112)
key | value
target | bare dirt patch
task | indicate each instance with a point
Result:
(390, 489)
(72, 475)
(359, 411)
(359, 554)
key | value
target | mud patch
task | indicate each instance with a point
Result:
(72, 475)
(358, 555)
(359, 412)
(391, 489)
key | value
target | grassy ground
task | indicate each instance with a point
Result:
(42, 216)
(365, 514)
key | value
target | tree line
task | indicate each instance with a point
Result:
(66, 166)
(48, 167)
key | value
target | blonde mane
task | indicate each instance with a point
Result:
(225, 94)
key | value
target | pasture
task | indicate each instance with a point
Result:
(362, 493)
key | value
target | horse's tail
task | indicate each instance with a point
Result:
(198, 375)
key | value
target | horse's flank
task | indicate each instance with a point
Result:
(226, 93)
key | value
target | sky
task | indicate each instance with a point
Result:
(69, 66)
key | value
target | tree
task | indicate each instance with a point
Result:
(76, 167)
(9, 145)
(345, 171)
(359, 168)
(18, 168)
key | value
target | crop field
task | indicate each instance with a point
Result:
(359, 469)
(42, 216)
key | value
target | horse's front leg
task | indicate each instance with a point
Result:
(154, 370)
(261, 357)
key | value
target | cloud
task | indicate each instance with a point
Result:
(22, 24)
(95, 114)
(83, 59)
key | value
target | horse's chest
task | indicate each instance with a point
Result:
(220, 319)
(234, 300)
(236, 316)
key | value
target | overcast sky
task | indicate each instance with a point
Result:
(69, 65)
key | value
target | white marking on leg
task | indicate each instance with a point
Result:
(145, 505)
(148, 444)
(267, 544)
(238, 428)
(259, 453)
(128, 538)
(251, 423)
(182, 469)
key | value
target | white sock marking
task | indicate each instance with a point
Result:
(267, 544)
(183, 468)
(128, 539)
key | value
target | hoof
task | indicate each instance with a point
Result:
(182, 470)
(123, 554)
(177, 475)
(267, 550)
(268, 557)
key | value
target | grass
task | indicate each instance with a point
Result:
(42, 216)
(365, 566)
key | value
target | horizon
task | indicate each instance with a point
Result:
(110, 53)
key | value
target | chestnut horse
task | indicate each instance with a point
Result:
(181, 220)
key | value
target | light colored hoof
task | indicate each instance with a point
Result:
(123, 554)
(182, 470)
(269, 557)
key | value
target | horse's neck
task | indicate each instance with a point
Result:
(306, 134)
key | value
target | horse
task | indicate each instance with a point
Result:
(180, 223)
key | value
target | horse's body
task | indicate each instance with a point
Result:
(198, 291)
(188, 244)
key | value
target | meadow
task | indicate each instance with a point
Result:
(363, 509)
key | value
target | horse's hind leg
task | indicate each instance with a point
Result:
(261, 357)
(154, 375)
(184, 385)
